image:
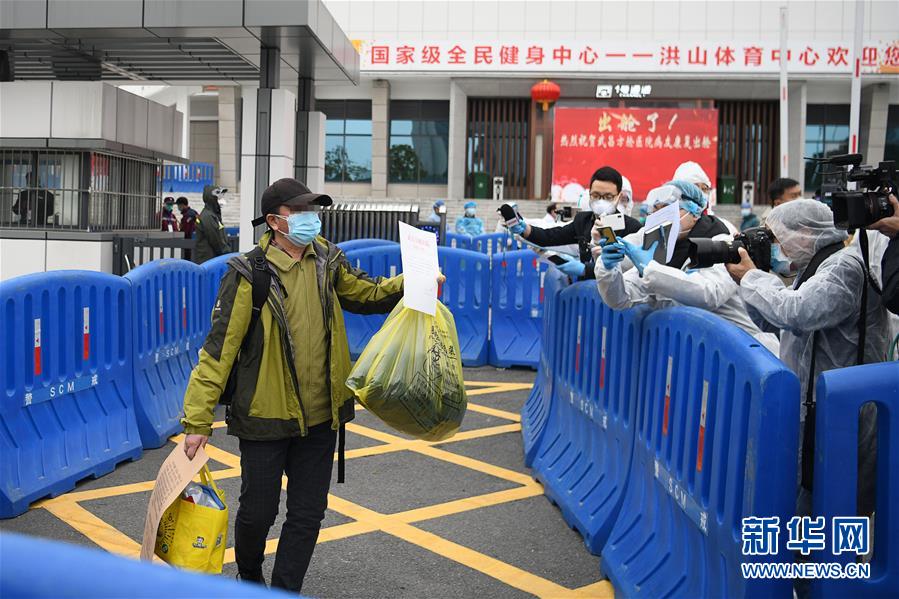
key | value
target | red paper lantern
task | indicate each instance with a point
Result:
(546, 92)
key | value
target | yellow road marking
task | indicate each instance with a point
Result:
(467, 504)
(105, 492)
(599, 590)
(94, 528)
(446, 456)
(500, 388)
(331, 533)
(66, 507)
(495, 412)
(506, 573)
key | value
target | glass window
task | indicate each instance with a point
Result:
(826, 134)
(419, 141)
(891, 147)
(347, 140)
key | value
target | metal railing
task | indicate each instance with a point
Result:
(78, 190)
(130, 251)
(363, 220)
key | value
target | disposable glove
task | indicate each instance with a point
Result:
(518, 229)
(612, 254)
(573, 268)
(638, 255)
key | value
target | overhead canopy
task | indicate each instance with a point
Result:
(174, 41)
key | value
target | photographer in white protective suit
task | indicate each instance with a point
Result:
(639, 279)
(821, 318)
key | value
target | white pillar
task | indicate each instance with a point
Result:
(784, 97)
(380, 137)
(182, 105)
(798, 102)
(856, 98)
(280, 153)
(458, 139)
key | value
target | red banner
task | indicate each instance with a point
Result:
(645, 145)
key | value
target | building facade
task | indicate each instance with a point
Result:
(444, 100)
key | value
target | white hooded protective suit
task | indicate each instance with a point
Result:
(828, 303)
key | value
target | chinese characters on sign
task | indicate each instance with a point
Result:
(644, 144)
(806, 534)
(624, 90)
(878, 56)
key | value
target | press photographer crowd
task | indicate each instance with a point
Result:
(817, 283)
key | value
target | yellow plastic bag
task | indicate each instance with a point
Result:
(410, 374)
(193, 536)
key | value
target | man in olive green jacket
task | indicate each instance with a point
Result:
(288, 393)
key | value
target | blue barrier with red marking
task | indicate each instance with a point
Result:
(466, 293)
(494, 243)
(357, 244)
(840, 394)
(67, 409)
(585, 456)
(535, 412)
(716, 441)
(456, 240)
(187, 178)
(170, 325)
(517, 300)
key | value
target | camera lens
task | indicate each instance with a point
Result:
(708, 252)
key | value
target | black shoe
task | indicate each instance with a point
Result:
(258, 579)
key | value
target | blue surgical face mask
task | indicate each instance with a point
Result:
(780, 263)
(469, 212)
(303, 227)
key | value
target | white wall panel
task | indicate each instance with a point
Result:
(284, 107)
(21, 257)
(79, 255)
(25, 109)
(77, 110)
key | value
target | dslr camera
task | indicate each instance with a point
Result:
(869, 203)
(756, 241)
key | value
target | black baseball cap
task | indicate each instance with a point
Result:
(290, 193)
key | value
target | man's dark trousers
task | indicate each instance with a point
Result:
(307, 462)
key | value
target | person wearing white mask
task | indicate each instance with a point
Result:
(639, 279)
(605, 195)
(691, 171)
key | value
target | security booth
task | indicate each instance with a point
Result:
(92, 164)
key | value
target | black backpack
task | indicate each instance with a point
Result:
(262, 280)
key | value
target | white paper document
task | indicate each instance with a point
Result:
(420, 269)
(174, 474)
(670, 214)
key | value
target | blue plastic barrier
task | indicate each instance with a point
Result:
(455, 240)
(67, 411)
(585, 455)
(466, 293)
(356, 244)
(169, 329)
(493, 243)
(187, 178)
(517, 299)
(34, 568)
(716, 441)
(213, 271)
(840, 395)
(535, 412)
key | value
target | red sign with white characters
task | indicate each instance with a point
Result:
(645, 145)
